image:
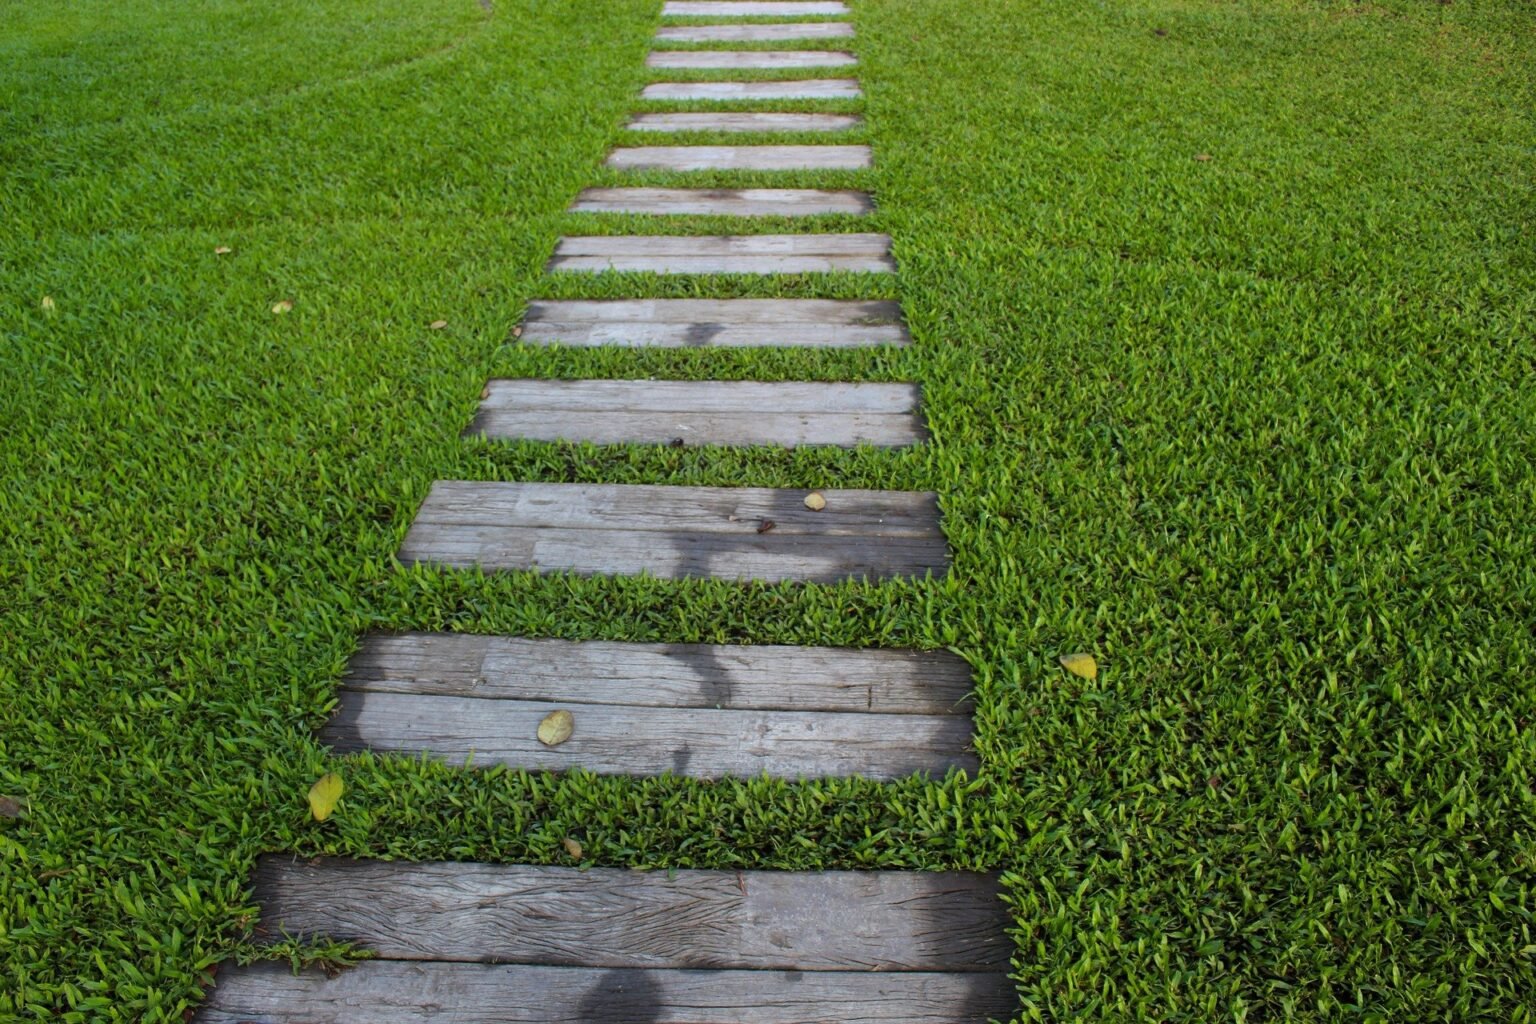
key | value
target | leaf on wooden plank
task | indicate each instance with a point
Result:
(556, 728)
(766, 525)
(1082, 665)
(324, 794)
(572, 847)
(815, 502)
(10, 807)
(438, 325)
(284, 306)
(222, 250)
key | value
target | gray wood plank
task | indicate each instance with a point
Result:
(617, 918)
(741, 202)
(743, 122)
(740, 158)
(763, 677)
(726, 254)
(755, 33)
(808, 89)
(749, 397)
(434, 992)
(753, 59)
(720, 323)
(700, 743)
(750, 8)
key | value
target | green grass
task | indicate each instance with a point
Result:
(1256, 430)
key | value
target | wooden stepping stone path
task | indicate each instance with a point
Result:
(726, 254)
(745, 202)
(809, 89)
(765, 33)
(716, 323)
(743, 122)
(745, 59)
(740, 158)
(490, 943)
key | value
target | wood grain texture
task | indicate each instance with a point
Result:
(763, 677)
(617, 918)
(743, 122)
(740, 158)
(677, 532)
(778, 32)
(428, 992)
(750, 8)
(808, 89)
(740, 202)
(719, 323)
(725, 254)
(754, 59)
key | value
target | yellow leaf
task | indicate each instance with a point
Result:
(815, 502)
(49, 306)
(324, 794)
(1080, 665)
(222, 250)
(556, 728)
(282, 307)
(572, 847)
(438, 325)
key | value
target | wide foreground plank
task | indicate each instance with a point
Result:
(740, 158)
(808, 89)
(753, 59)
(874, 681)
(616, 918)
(726, 254)
(415, 992)
(719, 323)
(750, 8)
(778, 32)
(742, 202)
(743, 122)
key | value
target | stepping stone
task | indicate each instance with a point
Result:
(471, 943)
(809, 89)
(754, 33)
(786, 415)
(743, 122)
(715, 323)
(695, 710)
(740, 158)
(749, 59)
(677, 532)
(726, 254)
(744, 202)
(750, 8)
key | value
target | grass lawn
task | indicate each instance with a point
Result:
(1224, 311)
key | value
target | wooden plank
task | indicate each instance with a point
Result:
(763, 677)
(617, 918)
(779, 32)
(807, 89)
(747, 397)
(435, 992)
(719, 323)
(750, 59)
(740, 158)
(700, 743)
(743, 122)
(741, 430)
(726, 254)
(750, 8)
(739, 202)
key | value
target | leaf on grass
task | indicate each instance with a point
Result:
(766, 525)
(556, 728)
(517, 332)
(10, 807)
(1081, 665)
(485, 392)
(324, 794)
(282, 307)
(222, 250)
(815, 502)
(438, 325)
(1203, 157)
(49, 306)
(572, 847)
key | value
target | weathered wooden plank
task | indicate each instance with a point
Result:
(750, 8)
(740, 202)
(743, 429)
(616, 918)
(726, 254)
(763, 677)
(743, 122)
(719, 323)
(434, 992)
(701, 743)
(740, 158)
(778, 32)
(753, 59)
(747, 397)
(808, 89)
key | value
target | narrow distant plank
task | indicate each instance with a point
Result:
(719, 323)
(743, 122)
(808, 89)
(741, 202)
(780, 32)
(762, 677)
(677, 532)
(753, 59)
(427, 992)
(616, 918)
(740, 158)
(726, 254)
(750, 8)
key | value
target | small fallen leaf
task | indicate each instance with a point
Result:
(766, 525)
(438, 325)
(572, 847)
(677, 442)
(282, 307)
(10, 807)
(324, 794)
(485, 392)
(222, 250)
(517, 332)
(815, 502)
(1203, 157)
(1081, 665)
(556, 728)
(49, 306)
